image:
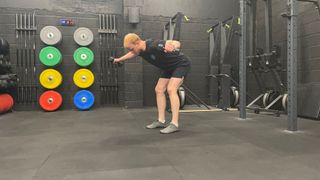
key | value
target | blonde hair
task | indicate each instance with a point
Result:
(130, 38)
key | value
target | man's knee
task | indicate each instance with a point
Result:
(172, 91)
(160, 90)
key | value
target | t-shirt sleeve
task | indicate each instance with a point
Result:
(158, 45)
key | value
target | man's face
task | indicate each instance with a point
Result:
(134, 48)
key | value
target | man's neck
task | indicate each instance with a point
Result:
(143, 45)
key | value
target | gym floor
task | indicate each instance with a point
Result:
(112, 143)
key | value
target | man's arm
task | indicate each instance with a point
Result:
(125, 57)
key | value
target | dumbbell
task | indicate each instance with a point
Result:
(111, 59)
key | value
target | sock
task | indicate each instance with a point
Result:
(162, 121)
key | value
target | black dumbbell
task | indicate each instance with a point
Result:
(111, 59)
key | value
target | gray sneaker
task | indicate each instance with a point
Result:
(169, 129)
(156, 124)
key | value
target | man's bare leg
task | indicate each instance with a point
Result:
(161, 98)
(173, 87)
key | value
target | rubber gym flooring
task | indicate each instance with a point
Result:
(112, 143)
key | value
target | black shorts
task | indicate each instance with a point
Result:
(178, 72)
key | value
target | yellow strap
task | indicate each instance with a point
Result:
(186, 18)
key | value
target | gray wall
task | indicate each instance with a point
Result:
(84, 6)
(192, 8)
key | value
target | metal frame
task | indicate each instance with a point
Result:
(292, 65)
(172, 31)
(268, 24)
(242, 59)
(26, 66)
(109, 72)
(291, 59)
(252, 26)
(221, 35)
(263, 61)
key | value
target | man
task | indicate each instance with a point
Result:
(174, 65)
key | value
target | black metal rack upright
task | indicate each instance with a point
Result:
(242, 59)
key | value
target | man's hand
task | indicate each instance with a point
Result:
(116, 60)
(169, 47)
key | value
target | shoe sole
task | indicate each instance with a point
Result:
(156, 127)
(170, 132)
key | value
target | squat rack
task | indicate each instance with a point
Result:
(172, 31)
(247, 16)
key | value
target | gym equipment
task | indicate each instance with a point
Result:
(50, 100)
(194, 98)
(50, 56)
(7, 78)
(260, 62)
(8, 81)
(247, 12)
(83, 78)
(5, 64)
(171, 31)
(50, 79)
(111, 59)
(284, 101)
(50, 35)
(6, 104)
(83, 36)
(222, 76)
(83, 57)
(83, 100)
(234, 96)
(182, 99)
(27, 89)
(271, 97)
(4, 47)
(108, 47)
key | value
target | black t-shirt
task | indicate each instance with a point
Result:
(155, 55)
